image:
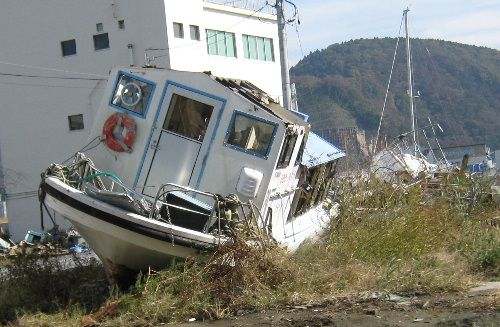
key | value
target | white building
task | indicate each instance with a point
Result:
(55, 56)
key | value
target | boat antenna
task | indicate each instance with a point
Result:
(410, 82)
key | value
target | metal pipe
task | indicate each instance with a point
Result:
(130, 47)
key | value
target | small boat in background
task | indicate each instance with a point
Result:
(403, 160)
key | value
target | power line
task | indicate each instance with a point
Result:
(49, 69)
(54, 77)
(46, 85)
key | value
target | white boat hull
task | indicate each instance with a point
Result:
(124, 240)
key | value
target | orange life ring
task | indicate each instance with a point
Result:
(115, 140)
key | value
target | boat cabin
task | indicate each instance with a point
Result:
(217, 135)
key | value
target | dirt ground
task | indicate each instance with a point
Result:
(473, 309)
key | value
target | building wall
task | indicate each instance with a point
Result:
(39, 88)
(192, 55)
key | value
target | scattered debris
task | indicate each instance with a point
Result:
(109, 309)
(54, 242)
(5, 245)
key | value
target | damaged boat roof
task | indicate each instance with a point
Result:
(319, 151)
(261, 98)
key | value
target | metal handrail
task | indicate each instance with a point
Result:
(162, 192)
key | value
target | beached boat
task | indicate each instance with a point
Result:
(176, 158)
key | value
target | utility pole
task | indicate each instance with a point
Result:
(3, 196)
(285, 73)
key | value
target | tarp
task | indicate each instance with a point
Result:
(319, 151)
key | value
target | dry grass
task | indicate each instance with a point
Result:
(386, 240)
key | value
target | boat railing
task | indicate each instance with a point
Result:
(173, 198)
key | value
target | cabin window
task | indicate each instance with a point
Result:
(188, 117)
(68, 48)
(75, 122)
(314, 184)
(121, 24)
(194, 32)
(99, 27)
(221, 43)
(101, 41)
(178, 30)
(251, 134)
(132, 94)
(298, 159)
(287, 150)
(259, 48)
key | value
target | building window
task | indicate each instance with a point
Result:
(75, 122)
(178, 30)
(101, 41)
(121, 24)
(194, 31)
(259, 48)
(250, 134)
(132, 94)
(99, 27)
(221, 43)
(188, 117)
(68, 47)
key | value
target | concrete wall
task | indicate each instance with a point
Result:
(192, 55)
(34, 129)
(39, 88)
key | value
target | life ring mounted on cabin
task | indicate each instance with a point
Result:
(119, 132)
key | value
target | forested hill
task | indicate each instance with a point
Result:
(458, 85)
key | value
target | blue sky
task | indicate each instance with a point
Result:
(324, 22)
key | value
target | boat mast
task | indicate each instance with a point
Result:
(410, 83)
(285, 73)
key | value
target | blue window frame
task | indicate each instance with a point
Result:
(132, 94)
(250, 134)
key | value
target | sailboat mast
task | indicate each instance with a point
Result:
(410, 83)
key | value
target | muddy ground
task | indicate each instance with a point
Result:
(472, 309)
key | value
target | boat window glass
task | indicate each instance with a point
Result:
(132, 94)
(298, 159)
(251, 134)
(286, 151)
(188, 117)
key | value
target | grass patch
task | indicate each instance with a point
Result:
(37, 286)
(386, 239)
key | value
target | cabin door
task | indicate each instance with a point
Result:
(179, 143)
